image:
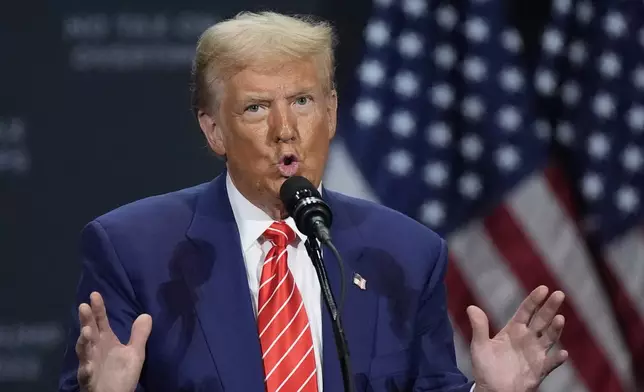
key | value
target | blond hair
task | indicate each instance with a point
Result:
(255, 38)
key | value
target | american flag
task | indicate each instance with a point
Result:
(532, 177)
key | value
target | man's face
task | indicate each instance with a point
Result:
(273, 123)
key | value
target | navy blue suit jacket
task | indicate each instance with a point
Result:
(177, 257)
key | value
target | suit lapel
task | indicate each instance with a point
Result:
(360, 306)
(223, 302)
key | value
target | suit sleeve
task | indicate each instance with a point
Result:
(103, 272)
(434, 339)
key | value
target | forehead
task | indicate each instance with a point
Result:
(275, 79)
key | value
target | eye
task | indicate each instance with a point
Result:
(252, 108)
(302, 100)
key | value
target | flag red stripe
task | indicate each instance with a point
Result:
(531, 271)
(628, 318)
(630, 322)
(558, 183)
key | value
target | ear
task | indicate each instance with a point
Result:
(332, 112)
(212, 131)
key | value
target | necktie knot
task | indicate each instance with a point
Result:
(280, 234)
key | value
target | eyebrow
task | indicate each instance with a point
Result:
(302, 91)
(259, 97)
(254, 98)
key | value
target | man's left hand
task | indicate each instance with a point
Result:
(519, 357)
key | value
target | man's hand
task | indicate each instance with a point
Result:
(106, 365)
(517, 359)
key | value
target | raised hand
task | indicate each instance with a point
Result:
(519, 357)
(105, 364)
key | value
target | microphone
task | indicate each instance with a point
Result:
(313, 217)
(304, 203)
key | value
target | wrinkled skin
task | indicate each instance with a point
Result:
(266, 113)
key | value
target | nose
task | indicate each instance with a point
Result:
(283, 123)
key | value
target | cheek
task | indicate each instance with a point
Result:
(315, 127)
(248, 137)
(317, 147)
(306, 126)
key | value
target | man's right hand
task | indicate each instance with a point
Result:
(106, 365)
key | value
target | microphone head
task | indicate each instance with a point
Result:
(304, 203)
(294, 186)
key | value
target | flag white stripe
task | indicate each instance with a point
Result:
(625, 257)
(555, 236)
(491, 281)
(343, 175)
(462, 350)
(499, 292)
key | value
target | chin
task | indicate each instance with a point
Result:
(273, 186)
(315, 180)
(278, 211)
(280, 181)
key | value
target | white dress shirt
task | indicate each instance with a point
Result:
(251, 223)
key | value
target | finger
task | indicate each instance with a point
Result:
(84, 344)
(544, 316)
(529, 305)
(100, 314)
(84, 374)
(554, 361)
(86, 317)
(140, 332)
(88, 332)
(480, 324)
(552, 334)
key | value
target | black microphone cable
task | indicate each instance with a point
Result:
(343, 283)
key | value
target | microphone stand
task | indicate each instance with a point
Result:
(315, 253)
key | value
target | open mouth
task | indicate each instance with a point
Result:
(289, 159)
(288, 165)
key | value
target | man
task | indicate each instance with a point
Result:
(223, 272)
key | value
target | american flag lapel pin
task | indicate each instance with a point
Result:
(359, 281)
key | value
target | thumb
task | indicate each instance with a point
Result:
(480, 324)
(140, 332)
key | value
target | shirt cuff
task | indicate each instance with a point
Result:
(472, 389)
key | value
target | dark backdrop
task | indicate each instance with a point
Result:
(94, 113)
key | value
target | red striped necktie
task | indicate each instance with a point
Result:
(284, 330)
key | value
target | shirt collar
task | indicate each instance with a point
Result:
(251, 220)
